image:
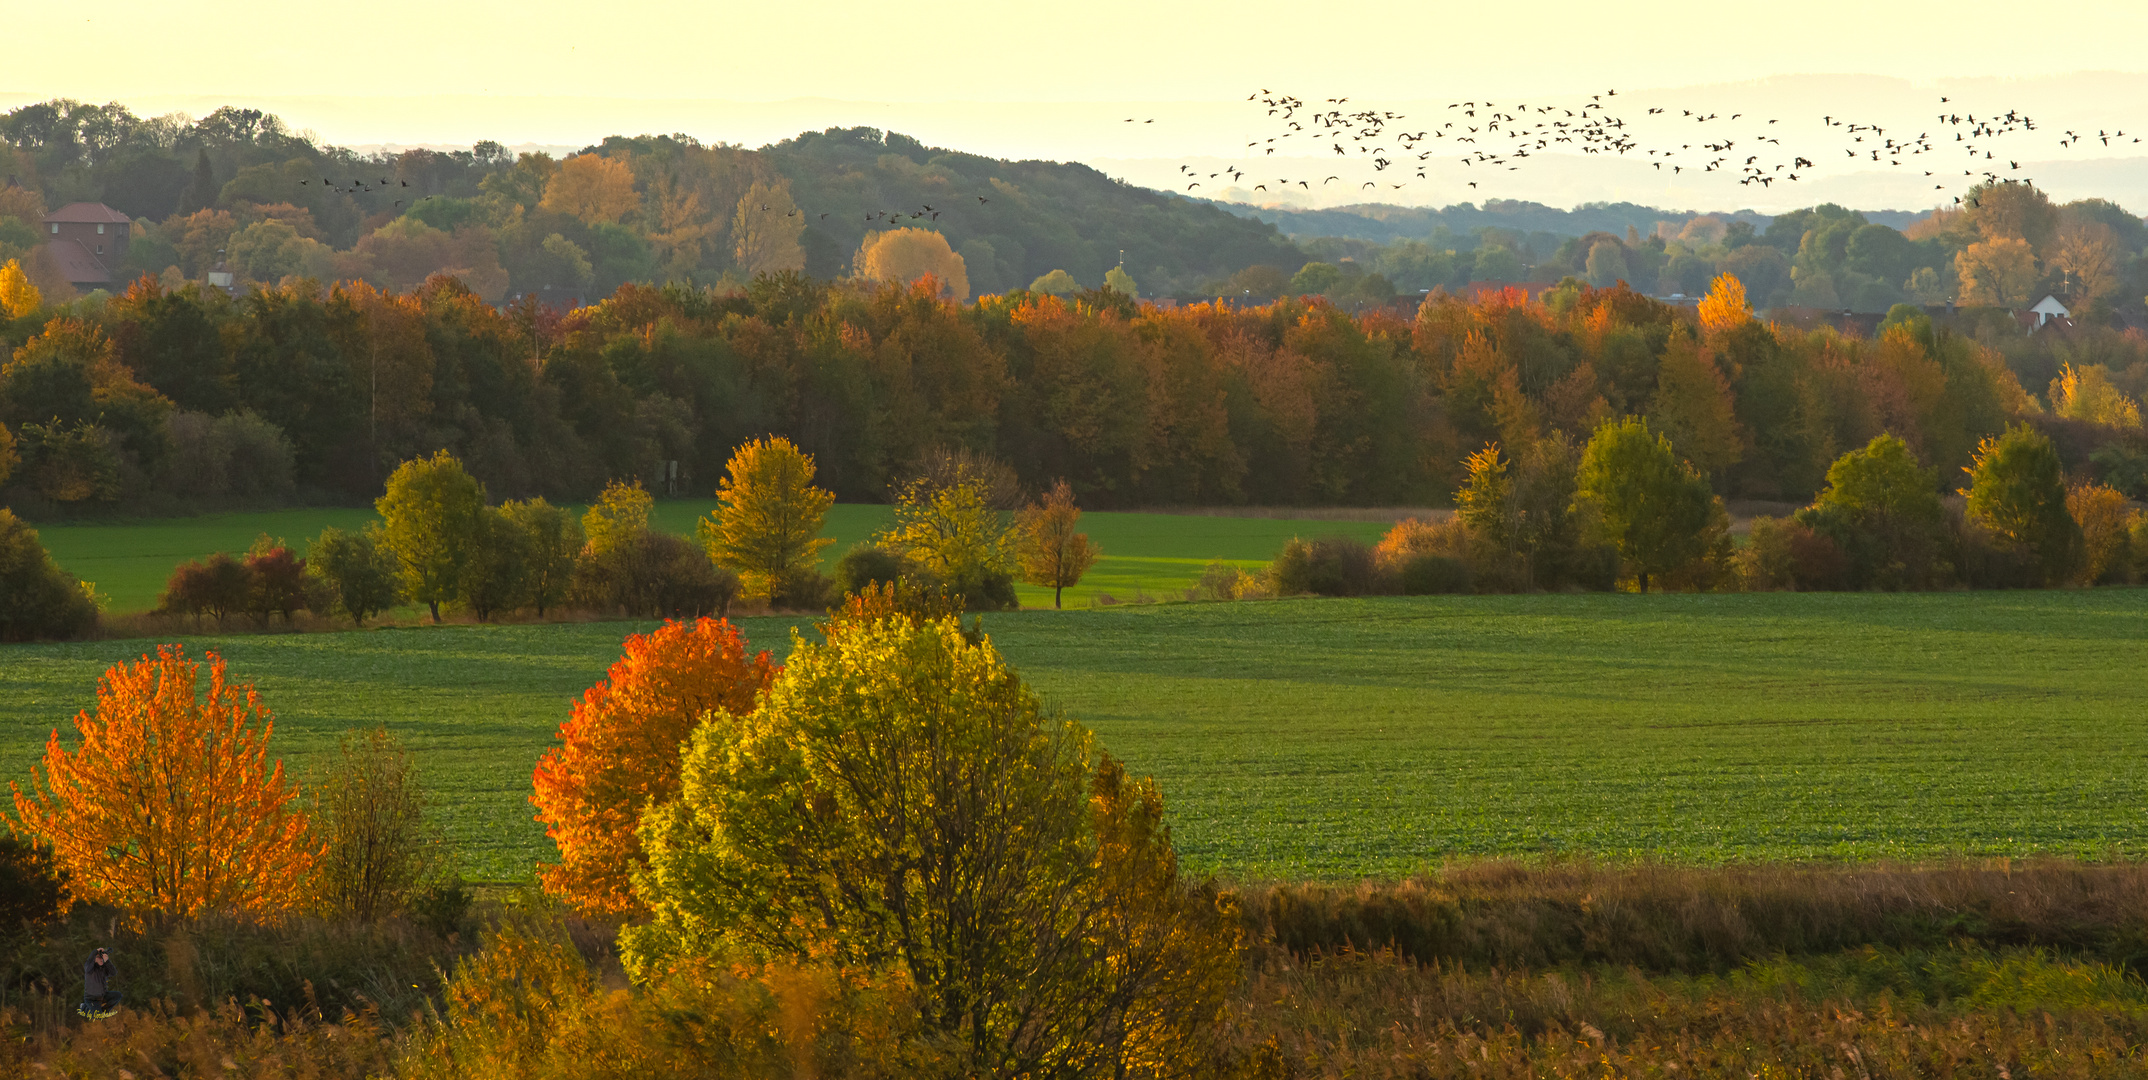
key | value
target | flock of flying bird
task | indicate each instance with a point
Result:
(1504, 137)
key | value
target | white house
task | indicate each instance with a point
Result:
(2048, 309)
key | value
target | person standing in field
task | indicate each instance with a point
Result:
(98, 997)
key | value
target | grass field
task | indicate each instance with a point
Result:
(1332, 739)
(1156, 555)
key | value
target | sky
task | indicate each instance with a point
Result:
(1059, 81)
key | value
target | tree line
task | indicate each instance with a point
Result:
(157, 399)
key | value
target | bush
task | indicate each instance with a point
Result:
(276, 582)
(683, 584)
(219, 586)
(868, 565)
(1222, 581)
(370, 813)
(1783, 554)
(37, 598)
(1428, 574)
(1329, 566)
(985, 590)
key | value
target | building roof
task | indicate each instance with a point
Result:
(77, 265)
(89, 212)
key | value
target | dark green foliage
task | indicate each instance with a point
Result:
(32, 887)
(1429, 575)
(1328, 566)
(867, 565)
(357, 572)
(37, 598)
(2018, 491)
(1882, 511)
(655, 575)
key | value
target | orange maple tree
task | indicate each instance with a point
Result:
(170, 804)
(620, 752)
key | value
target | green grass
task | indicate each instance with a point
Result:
(1152, 555)
(1330, 738)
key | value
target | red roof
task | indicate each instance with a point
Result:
(90, 212)
(76, 264)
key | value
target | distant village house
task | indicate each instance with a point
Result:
(87, 242)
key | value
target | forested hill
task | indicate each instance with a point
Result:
(1384, 223)
(1014, 221)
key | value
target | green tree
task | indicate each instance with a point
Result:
(1119, 281)
(1606, 265)
(202, 193)
(2017, 489)
(552, 541)
(618, 518)
(429, 519)
(495, 577)
(37, 598)
(899, 799)
(1315, 279)
(1650, 505)
(769, 516)
(1050, 552)
(357, 570)
(1057, 283)
(953, 532)
(370, 811)
(1883, 510)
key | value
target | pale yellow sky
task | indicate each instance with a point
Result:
(1038, 80)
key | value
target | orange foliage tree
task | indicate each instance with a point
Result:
(619, 753)
(171, 805)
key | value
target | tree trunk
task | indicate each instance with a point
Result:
(1056, 590)
(435, 604)
(1644, 583)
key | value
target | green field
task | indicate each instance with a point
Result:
(1336, 738)
(1153, 555)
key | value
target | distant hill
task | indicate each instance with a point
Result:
(1014, 221)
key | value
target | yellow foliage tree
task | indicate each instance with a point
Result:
(768, 521)
(2091, 255)
(1724, 308)
(1997, 272)
(170, 804)
(18, 296)
(2104, 516)
(905, 255)
(765, 231)
(2086, 393)
(618, 517)
(596, 189)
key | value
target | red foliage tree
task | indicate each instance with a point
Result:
(620, 752)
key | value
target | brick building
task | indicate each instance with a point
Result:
(88, 241)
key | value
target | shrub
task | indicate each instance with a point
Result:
(652, 575)
(867, 566)
(276, 582)
(1329, 566)
(1223, 581)
(1429, 574)
(37, 598)
(218, 586)
(369, 812)
(2103, 516)
(1783, 554)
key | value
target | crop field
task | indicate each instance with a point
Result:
(1145, 555)
(1335, 739)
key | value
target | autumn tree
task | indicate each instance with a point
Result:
(369, 813)
(1650, 505)
(597, 189)
(1997, 273)
(2017, 489)
(18, 297)
(1048, 550)
(953, 531)
(357, 570)
(902, 256)
(900, 801)
(2105, 519)
(619, 753)
(2091, 257)
(768, 518)
(1694, 407)
(2086, 393)
(169, 804)
(765, 230)
(429, 523)
(1724, 308)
